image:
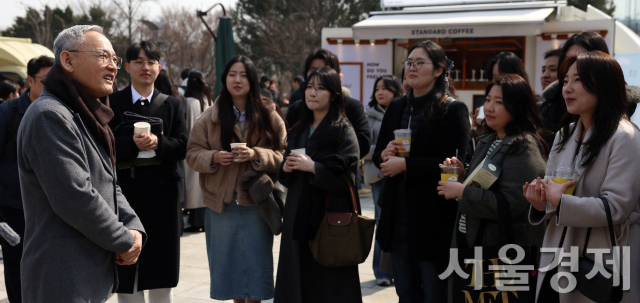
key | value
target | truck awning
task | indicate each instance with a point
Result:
(464, 24)
(15, 53)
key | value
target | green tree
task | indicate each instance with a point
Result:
(607, 6)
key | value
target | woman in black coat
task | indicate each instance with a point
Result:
(416, 224)
(329, 166)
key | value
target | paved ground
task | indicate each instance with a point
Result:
(194, 271)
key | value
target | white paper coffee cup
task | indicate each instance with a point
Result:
(234, 145)
(141, 128)
(300, 151)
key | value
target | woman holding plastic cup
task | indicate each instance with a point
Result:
(321, 160)
(239, 239)
(416, 224)
(595, 142)
(515, 144)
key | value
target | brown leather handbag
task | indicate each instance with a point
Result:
(343, 239)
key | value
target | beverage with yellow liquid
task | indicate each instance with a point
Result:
(404, 136)
(449, 173)
(570, 189)
(564, 175)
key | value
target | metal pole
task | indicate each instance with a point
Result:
(201, 14)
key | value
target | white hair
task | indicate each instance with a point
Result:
(73, 38)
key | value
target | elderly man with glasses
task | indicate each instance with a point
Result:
(78, 223)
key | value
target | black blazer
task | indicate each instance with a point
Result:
(431, 217)
(355, 113)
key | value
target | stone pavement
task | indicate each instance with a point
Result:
(194, 270)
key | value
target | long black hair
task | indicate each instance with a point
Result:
(197, 88)
(443, 85)
(164, 84)
(327, 78)
(508, 63)
(257, 115)
(391, 83)
(520, 101)
(601, 75)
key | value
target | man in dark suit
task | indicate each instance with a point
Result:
(352, 107)
(151, 184)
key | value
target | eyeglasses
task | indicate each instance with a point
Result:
(418, 64)
(106, 58)
(141, 63)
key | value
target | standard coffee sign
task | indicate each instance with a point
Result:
(430, 32)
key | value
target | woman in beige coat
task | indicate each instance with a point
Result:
(239, 239)
(597, 146)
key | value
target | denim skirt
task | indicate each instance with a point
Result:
(239, 248)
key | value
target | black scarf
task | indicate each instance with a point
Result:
(95, 113)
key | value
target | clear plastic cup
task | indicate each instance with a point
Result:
(233, 147)
(300, 151)
(404, 136)
(564, 175)
(450, 173)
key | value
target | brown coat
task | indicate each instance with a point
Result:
(612, 175)
(220, 182)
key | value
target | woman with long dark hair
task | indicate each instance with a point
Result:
(198, 97)
(553, 108)
(416, 224)
(514, 142)
(239, 238)
(594, 142)
(386, 89)
(164, 84)
(326, 167)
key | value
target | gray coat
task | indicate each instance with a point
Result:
(613, 175)
(372, 174)
(76, 216)
(521, 162)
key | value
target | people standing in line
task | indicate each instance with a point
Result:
(239, 239)
(515, 143)
(553, 108)
(386, 89)
(416, 224)
(352, 107)
(327, 167)
(8, 90)
(550, 67)
(78, 222)
(11, 210)
(297, 85)
(594, 141)
(152, 185)
(198, 100)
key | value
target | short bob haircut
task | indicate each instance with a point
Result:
(391, 83)
(601, 75)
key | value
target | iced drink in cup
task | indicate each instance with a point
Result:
(564, 175)
(404, 136)
(234, 145)
(449, 173)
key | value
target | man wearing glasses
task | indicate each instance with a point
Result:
(11, 211)
(78, 223)
(151, 184)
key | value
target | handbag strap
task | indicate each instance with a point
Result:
(612, 235)
(353, 201)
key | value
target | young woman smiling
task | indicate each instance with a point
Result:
(595, 141)
(239, 240)
(415, 223)
(515, 143)
(328, 167)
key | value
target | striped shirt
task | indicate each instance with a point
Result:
(463, 218)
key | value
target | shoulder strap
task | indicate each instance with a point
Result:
(446, 103)
(155, 104)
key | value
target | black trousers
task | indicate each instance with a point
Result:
(12, 255)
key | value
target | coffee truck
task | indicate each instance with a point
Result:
(471, 32)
